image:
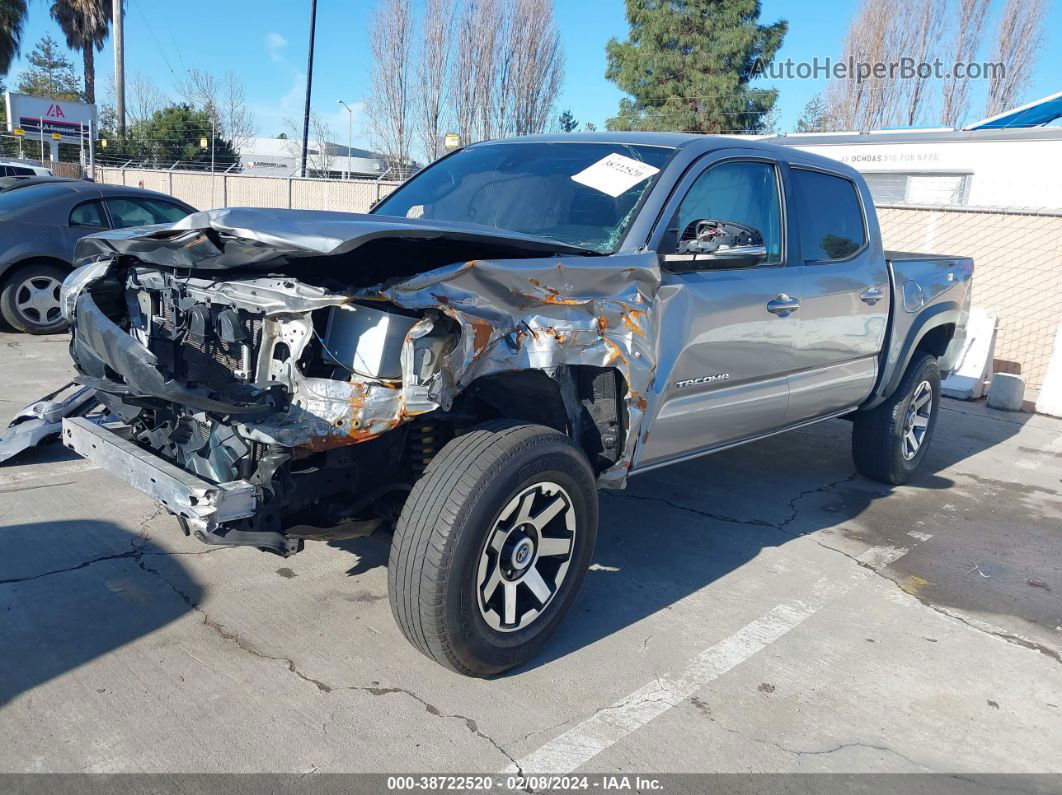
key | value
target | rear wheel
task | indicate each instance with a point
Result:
(890, 441)
(492, 546)
(29, 301)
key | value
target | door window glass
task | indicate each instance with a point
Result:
(743, 192)
(143, 212)
(830, 217)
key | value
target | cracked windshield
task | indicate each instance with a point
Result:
(580, 194)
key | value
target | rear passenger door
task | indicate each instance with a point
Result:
(844, 294)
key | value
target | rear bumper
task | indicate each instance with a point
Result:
(204, 505)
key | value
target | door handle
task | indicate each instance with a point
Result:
(871, 295)
(783, 305)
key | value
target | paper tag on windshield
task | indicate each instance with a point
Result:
(614, 174)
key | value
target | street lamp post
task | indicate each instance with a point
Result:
(350, 127)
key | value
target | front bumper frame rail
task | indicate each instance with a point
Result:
(202, 504)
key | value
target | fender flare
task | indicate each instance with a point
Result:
(942, 314)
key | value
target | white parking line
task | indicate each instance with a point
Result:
(577, 746)
(1054, 447)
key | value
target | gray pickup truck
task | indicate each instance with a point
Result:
(519, 324)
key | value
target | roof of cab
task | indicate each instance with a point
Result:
(677, 140)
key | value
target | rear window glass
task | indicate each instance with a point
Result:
(13, 200)
(88, 214)
(831, 220)
(143, 212)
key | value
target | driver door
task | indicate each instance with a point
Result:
(725, 339)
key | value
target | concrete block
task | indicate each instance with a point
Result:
(975, 361)
(1050, 400)
(1007, 392)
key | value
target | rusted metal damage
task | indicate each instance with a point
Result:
(543, 314)
(471, 319)
(508, 321)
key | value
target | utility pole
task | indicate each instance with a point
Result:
(119, 66)
(350, 127)
(309, 86)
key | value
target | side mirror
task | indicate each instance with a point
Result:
(710, 243)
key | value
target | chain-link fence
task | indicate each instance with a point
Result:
(1017, 253)
(207, 191)
(1017, 270)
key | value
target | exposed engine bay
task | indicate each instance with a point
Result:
(262, 358)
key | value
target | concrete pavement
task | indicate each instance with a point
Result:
(760, 610)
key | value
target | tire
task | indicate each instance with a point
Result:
(886, 444)
(461, 552)
(29, 300)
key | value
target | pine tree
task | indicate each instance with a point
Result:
(568, 122)
(687, 65)
(172, 134)
(814, 117)
(50, 73)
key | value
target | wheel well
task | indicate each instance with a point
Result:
(14, 266)
(937, 339)
(582, 401)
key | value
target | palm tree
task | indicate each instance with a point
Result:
(85, 23)
(12, 17)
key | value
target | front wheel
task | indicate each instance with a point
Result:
(890, 441)
(492, 546)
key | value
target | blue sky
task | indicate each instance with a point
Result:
(265, 43)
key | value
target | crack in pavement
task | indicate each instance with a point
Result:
(434, 711)
(1016, 640)
(324, 687)
(707, 712)
(132, 554)
(781, 527)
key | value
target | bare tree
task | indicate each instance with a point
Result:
(433, 74)
(320, 149)
(508, 68)
(1017, 43)
(225, 99)
(536, 67)
(918, 36)
(967, 34)
(391, 102)
(465, 76)
(865, 104)
(142, 98)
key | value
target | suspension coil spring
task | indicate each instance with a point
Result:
(425, 439)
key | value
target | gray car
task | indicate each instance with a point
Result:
(40, 224)
(521, 323)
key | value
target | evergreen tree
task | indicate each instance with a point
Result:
(687, 65)
(567, 122)
(171, 134)
(815, 117)
(50, 73)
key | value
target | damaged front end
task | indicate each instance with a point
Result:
(278, 373)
